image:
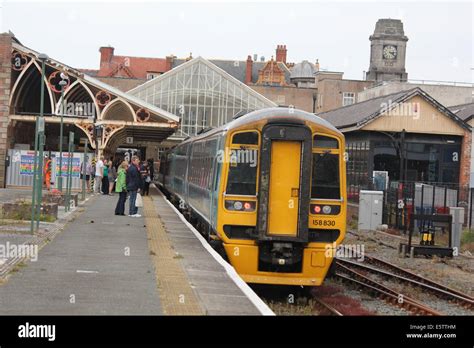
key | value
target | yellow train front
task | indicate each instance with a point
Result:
(270, 188)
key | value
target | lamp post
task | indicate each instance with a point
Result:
(38, 162)
(63, 85)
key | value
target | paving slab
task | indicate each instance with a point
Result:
(99, 264)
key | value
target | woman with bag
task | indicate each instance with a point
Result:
(121, 188)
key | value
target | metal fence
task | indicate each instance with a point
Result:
(403, 199)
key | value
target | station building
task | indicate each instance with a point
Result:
(408, 134)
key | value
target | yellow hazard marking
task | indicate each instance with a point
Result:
(177, 296)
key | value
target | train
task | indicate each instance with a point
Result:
(268, 190)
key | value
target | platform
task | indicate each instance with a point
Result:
(118, 265)
(219, 289)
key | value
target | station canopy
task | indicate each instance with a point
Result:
(201, 94)
(107, 115)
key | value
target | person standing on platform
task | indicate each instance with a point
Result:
(134, 185)
(151, 168)
(112, 176)
(99, 174)
(47, 172)
(145, 172)
(87, 172)
(105, 178)
(121, 188)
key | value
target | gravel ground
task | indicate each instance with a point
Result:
(370, 303)
(457, 273)
(304, 305)
(429, 299)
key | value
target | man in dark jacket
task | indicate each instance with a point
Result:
(134, 185)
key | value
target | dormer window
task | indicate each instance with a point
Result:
(152, 75)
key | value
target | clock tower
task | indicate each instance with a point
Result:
(387, 51)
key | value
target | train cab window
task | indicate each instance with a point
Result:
(247, 138)
(325, 177)
(321, 141)
(242, 178)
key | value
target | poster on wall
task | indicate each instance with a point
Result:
(27, 163)
(76, 165)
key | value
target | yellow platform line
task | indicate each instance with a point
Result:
(176, 295)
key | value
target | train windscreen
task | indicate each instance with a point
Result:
(242, 179)
(325, 177)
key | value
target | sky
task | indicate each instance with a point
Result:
(440, 46)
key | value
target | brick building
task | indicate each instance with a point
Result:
(5, 80)
(282, 82)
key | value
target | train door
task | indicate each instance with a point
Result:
(285, 172)
(284, 188)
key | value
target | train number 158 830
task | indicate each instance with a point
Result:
(324, 223)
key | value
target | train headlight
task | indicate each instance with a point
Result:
(327, 209)
(242, 206)
(237, 205)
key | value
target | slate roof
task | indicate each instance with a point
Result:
(463, 111)
(359, 114)
(237, 68)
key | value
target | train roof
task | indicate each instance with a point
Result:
(274, 113)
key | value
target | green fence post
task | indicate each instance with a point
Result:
(69, 171)
(33, 195)
(84, 167)
(39, 185)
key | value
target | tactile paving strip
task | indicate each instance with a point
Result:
(177, 296)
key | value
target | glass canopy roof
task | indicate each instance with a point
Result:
(201, 94)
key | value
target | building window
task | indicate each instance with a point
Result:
(160, 151)
(152, 75)
(348, 98)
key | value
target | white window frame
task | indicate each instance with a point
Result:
(348, 98)
(152, 75)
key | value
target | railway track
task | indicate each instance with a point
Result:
(327, 307)
(388, 270)
(349, 275)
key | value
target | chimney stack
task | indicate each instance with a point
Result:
(281, 53)
(106, 54)
(169, 62)
(248, 71)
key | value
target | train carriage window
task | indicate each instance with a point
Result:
(249, 138)
(325, 177)
(242, 179)
(321, 141)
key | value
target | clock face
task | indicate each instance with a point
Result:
(389, 52)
